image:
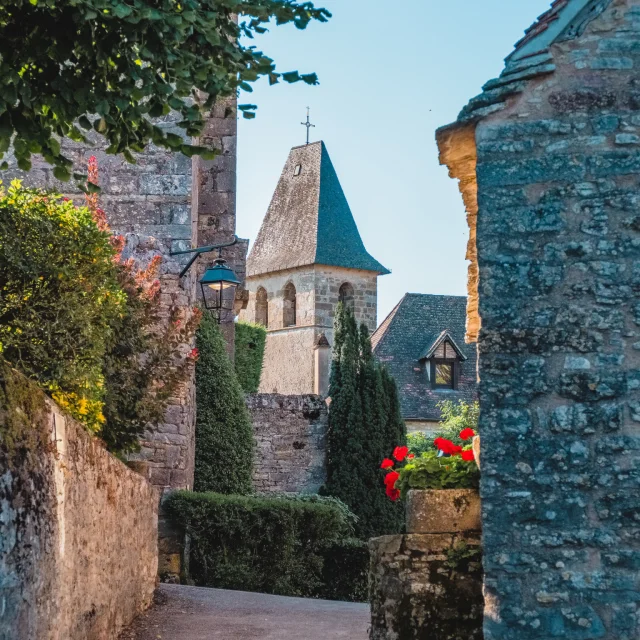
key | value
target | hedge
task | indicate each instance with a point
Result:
(224, 434)
(249, 354)
(278, 545)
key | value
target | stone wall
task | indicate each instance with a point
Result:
(290, 434)
(426, 587)
(78, 547)
(558, 193)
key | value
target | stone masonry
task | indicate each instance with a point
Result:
(78, 536)
(290, 433)
(548, 159)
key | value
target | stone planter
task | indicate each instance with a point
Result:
(443, 511)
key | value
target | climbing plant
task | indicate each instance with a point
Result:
(224, 434)
(249, 354)
(68, 67)
(364, 423)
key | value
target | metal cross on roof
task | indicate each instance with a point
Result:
(308, 125)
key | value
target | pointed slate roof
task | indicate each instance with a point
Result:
(309, 220)
(417, 324)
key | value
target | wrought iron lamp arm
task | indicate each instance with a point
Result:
(201, 250)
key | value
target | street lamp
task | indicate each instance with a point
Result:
(219, 283)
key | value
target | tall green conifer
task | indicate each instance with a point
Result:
(364, 427)
(224, 434)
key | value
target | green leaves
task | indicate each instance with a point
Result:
(129, 62)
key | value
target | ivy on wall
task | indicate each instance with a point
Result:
(224, 434)
(249, 354)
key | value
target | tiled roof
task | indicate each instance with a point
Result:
(409, 331)
(532, 56)
(309, 220)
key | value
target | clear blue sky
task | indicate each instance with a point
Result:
(388, 79)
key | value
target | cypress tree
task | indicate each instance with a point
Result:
(364, 427)
(224, 434)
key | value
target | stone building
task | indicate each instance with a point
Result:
(307, 257)
(421, 342)
(548, 160)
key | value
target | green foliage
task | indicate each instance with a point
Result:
(249, 354)
(127, 62)
(461, 555)
(430, 472)
(364, 425)
(257, 543)
(419, 443)
(224, 434)
(59, 297)
(345, 574)
(455, 418)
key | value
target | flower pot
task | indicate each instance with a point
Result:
(443, 511)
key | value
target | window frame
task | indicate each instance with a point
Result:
(454, 364)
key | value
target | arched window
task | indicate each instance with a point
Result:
(289, 306)
(262, 307)
(346, 295)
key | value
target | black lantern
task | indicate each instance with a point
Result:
(219, 284)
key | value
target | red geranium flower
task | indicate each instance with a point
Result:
(390, 479)
(393, 494)
(411, 456)
(467, 433)
(446, 446)
(400, 453)
(467, 455)
(386, 463)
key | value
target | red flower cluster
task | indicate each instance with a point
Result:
(400, 453)
(446, 446)
(390, 480)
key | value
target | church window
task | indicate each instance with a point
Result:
(289, 306)
(346, 295)
(262, 307)
(298, 170)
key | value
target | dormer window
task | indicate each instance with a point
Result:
(298, 170)
(443, 360)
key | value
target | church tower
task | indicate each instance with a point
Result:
(308, 256)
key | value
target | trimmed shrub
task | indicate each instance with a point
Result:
(59, 296)
(345, 574)
(277, 545)
(249, 354)
(224, 434)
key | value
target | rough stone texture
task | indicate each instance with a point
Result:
(558, 189)
(289, 352)
(290, 433)
(78, 544)
(421, 590)
(438, 511)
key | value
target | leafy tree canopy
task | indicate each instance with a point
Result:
(127, 62)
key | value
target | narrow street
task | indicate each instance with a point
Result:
(195, 613)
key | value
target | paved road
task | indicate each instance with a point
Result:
(195, 613)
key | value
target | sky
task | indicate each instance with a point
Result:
(388, 80)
